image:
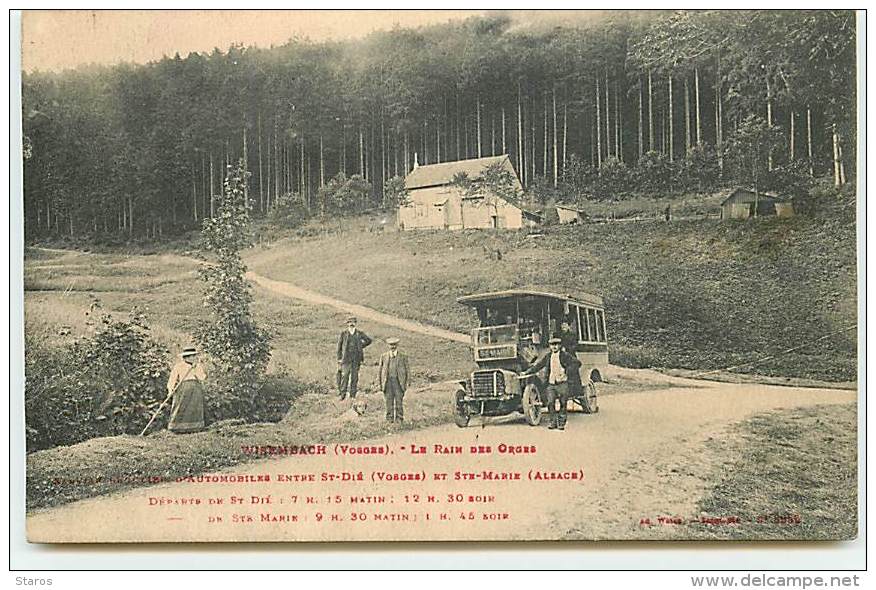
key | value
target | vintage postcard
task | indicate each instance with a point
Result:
(440, 275)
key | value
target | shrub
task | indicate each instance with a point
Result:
(57, 402)
(614, 179)
(699, 168)
(542, 190)
(747, 149)
(344, 195)
(106, 383)
(395, 194)
(578, 177)
(791, 178)
(654, 173)
(126, 368)
(288, 210)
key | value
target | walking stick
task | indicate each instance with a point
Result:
(167, 399)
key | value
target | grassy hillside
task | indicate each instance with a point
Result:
(693, 294)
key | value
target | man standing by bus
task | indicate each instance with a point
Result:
(393, 376)
(561, 367)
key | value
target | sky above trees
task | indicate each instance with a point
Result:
(61, 39)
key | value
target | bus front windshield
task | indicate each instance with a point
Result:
(497, 335)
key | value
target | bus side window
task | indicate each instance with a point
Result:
(582, 324)
(571, 319)
(597, 315)
(601, 324)
(591, 325)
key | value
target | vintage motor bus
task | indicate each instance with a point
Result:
(514, 329)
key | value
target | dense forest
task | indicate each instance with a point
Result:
(629, 97)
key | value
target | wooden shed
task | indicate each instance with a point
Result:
(742, 203)
(569, 214)
(435, 203)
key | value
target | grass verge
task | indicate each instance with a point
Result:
(795, 478)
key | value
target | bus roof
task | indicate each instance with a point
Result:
(480, 298)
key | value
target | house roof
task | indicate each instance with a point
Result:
(763, 195)
(568, 208)
(442, 174)
(583, 298)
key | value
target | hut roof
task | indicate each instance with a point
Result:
(441, 174)
(734, 195)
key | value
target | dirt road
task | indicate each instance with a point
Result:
(360, 311)
(620, 452)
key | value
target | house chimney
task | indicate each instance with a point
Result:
(416, 164)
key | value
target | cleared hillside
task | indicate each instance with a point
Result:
(690, 294)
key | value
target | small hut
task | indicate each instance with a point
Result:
(742, 203)
(568, 214)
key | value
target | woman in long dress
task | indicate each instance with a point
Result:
(186, 383)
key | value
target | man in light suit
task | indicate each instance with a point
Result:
(393, 376)
(351, 344)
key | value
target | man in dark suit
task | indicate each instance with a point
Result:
(562, 369)
(351, 344)
(393, 378)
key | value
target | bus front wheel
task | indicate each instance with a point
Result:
(532, 408)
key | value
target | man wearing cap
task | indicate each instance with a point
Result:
(393, 376)
(351, 346)
(186, 386)
(561, 368)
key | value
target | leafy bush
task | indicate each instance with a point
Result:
(542, 190)
(791, 178)
(614, 179)
(395, 194)
(699, 168)
(126, 368)
(654, 173)
(747, 149)
(344, 195)
(578, 177)
(288, 210)
(57, 402)
(106, 383)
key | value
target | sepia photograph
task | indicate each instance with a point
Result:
(427, 275)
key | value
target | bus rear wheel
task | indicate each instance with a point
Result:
(588, 400)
